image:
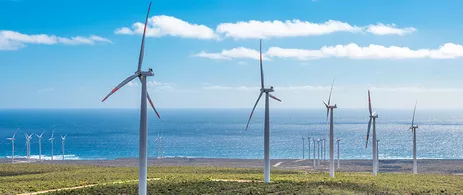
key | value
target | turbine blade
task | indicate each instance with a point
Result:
(15, 133)
(261, 69)
(52, 133)
(142, 49)
(152, 105)
(369, 102)
(124, 82)
(250, 116)
(273, 97)
(414, 110)
(368, 132)
(331, 90)
(42, 134)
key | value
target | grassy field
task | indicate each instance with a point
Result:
(20, 178)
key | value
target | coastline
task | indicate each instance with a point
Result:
(429, 166)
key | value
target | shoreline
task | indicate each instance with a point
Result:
(432, 166)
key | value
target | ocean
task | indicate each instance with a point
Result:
(220, 133)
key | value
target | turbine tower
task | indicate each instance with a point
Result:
(143, 156)
(303, 146)
(314, 156)
(339, 165)
(40, 145)
(52, 138)
(413, 128)
(12, 146)
(28, 145)
(308, 144)
(329, 111)
(267, 92)
(63, 139)
(373, 117)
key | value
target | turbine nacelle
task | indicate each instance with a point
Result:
(145, 73)
(267, 90)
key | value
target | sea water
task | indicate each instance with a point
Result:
(220, 133)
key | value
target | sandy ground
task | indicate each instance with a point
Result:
(405, 166)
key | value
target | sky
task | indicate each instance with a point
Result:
(204, 54)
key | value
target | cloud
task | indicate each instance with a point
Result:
(159, 26)
(290, 28)
(415, 89)
(11, 40)
(283, 88)
(235, 53)
(218, 87)
(353, 51)
(389, 29)
(46, 90)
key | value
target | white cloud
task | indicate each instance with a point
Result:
(239, 52)
(290, 28)
(159, 26)
(353, 51)
(283, 88)
(389, 29)
(11, 40)
(416, 89)
(218, 87)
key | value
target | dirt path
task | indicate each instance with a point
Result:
(85, 186)
(277, 164)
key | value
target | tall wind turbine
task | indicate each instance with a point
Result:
(63, 139)
(40, 145)
(12, 146)
(143, 156)
(329, 110)
(52, 138)
(413, 128)
(267, 92)
(308, 144)
(373, 117)
(28, 145)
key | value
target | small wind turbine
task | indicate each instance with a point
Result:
(373, 117)
(413, 128)
(318, 147)
(337, 140)
(40, 145)
(267, 92)
(314, 157)
(329, 110)
(377, 150)
(52, 138)
(143, 156)
(303, 146)
(12, 146)
(28, 145)
(308, 144)
(63, 139)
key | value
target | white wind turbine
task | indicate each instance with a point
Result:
(143, 156)
(329, 111)
(314, 156)
(52, 138)
(373, 117)
(303, 146)
(28, 145)
(339, 165)
(308, 144)
(40, 145)
(12, 146)
(267, 92)
(413, 128)
(63, 139)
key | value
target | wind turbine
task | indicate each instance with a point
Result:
(303, 146)
(413, 128)
(337, 140)
(12, 146)
(40, 145)
(318, 147)
(52, 138)
(314, 157)
(329, 110)
(308, 144)
(63, 139)
(267, 92)
(373, 117)
(143, 156)
(28, 145)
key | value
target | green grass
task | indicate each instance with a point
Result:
(19, 178)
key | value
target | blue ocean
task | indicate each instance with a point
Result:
(220, 133)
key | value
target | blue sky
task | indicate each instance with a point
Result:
(70, 54)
